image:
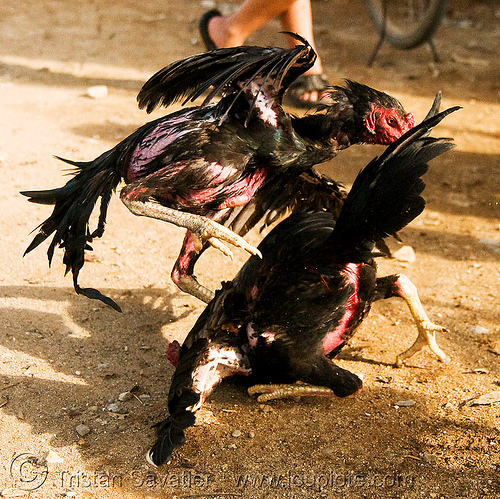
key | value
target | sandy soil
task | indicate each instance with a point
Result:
(64, 359)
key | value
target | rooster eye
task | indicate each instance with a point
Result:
(391, 121)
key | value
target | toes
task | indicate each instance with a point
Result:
(431, 327)
(239, 242)
(252, 250)
(422, 341)
(281, 391)
(218, 244)
(442, 357)
(252, 390)
(445, 359)
(217, 235)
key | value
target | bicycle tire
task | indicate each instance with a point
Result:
(407, 38)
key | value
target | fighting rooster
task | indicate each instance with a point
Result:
(201, 167)
(285, 316)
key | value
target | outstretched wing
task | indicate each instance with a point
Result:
(255, 73)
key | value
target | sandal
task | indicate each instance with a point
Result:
(203, 27)
(306, 84)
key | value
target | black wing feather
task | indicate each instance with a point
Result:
(227, 70)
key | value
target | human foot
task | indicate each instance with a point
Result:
(309, 90)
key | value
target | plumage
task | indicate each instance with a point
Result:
(219, 169)
(285, 316)
(230, 71)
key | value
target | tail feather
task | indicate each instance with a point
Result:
(385, 196)
(435, 107)
(171, 431)
(181, 399)
(50, 196)
(73, 206)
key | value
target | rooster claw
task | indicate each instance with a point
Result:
(218, 244)
(426, 328)
(426, 336)
(216, 235)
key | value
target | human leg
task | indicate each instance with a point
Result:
(220, 31)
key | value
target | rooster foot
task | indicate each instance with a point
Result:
(216, 235)
(138, 201)
(426, 336)
(426, 328)
(281, 391)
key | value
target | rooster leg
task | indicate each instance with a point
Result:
(183, 271)
(139, 202)
(319, 377)
(400, 286)
(281, 391)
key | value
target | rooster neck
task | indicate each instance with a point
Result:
(328, 132)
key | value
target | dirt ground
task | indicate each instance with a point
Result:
(64, 359)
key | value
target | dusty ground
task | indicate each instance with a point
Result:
(64, 359)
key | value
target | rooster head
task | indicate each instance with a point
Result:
(385, 125)
(375, 117)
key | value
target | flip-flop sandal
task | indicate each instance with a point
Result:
(305, 84)
(203, 27)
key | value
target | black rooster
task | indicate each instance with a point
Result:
(285, 316)
(199, 167)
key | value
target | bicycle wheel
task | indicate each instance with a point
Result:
(407, 23)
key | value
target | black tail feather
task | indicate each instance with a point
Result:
(435, 107)
(73, 206)
(171, 431)
(181, 399)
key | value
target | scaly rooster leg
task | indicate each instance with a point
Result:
(281, 391)
(319, 377)
(183, 271)
(399, 285)
(189, 284)
(202, 228)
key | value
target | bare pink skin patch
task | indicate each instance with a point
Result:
(335, 337)
(153, 145)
